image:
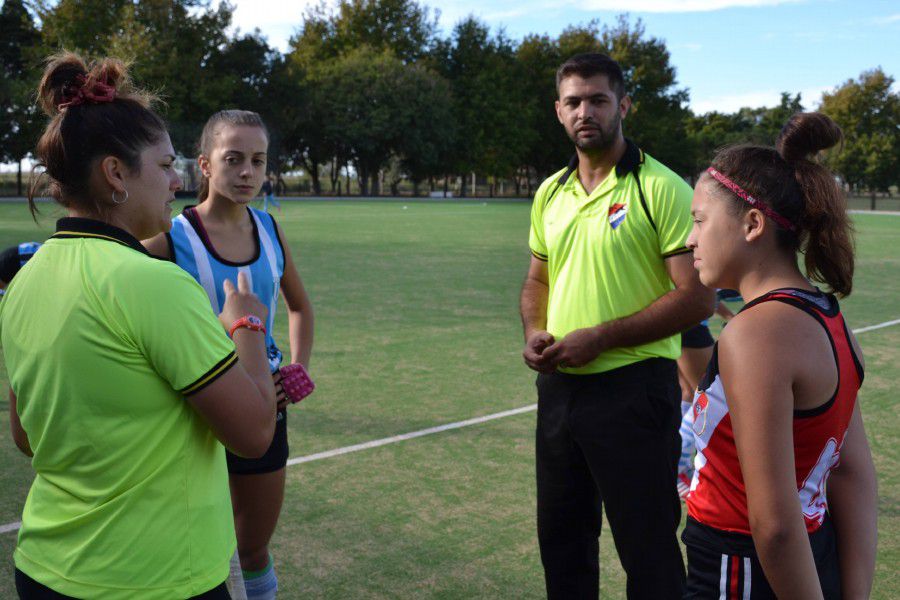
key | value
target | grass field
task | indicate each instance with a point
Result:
(417, 326)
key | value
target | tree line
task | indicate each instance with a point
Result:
(371, 89)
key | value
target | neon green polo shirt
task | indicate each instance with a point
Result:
(102, 343)
(605, 258)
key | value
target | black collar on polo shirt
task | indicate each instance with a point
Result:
(78, 227)
(631, 158)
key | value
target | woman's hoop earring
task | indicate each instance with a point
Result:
(122, 201)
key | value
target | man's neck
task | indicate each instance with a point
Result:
(595, 166)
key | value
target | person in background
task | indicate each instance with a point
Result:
(268, 191)
(14, 258)
(696, 350)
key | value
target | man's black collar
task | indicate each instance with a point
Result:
(78, 227)
(631, 159)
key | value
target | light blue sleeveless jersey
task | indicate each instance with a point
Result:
(26, 251)
(194, 256)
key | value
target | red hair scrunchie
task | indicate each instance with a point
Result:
(77, 93)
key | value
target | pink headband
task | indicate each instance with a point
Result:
(755, 203)
(77, 93)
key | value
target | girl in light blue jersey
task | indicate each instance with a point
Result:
(14, 258)
(214, 241)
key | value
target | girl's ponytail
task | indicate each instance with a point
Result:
(802, 192)
(826, 229)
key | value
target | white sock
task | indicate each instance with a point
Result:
(235, 581)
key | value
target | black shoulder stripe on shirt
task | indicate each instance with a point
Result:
(859, 368)
(171, 244)
(539, 256)
(677, 252)
(637, 180)
(214, 373)
(805, 305)
(278, 235)
(563, 179)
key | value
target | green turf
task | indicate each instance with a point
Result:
(417, 325)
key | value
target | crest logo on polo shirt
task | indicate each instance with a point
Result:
(699, 409)
(617, 214)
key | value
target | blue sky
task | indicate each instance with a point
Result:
(728, 53)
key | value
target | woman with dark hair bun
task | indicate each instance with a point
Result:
(783, 498)
(123, 384)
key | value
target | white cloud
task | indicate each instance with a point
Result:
(729, 103)
(888, 20)
(277, 20)
(270, 12)
(668, 6)
(506, 14)
(501, 10)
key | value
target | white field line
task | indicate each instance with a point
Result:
(408, 436)
(14, 526)
(879, 326)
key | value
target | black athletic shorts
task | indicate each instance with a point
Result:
(274, 459)
(697, 336)
(29, 589)
(723, 564)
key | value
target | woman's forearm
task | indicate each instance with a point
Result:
(782, 546)
(252, 355)
(852, 501)
(853, 505)
(301, 327)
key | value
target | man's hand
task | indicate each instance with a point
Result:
(535, 345)
(577, 349)
(533, 305)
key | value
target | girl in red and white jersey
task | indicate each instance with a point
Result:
(783, 499)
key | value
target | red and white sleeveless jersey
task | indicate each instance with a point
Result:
(718, 497)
